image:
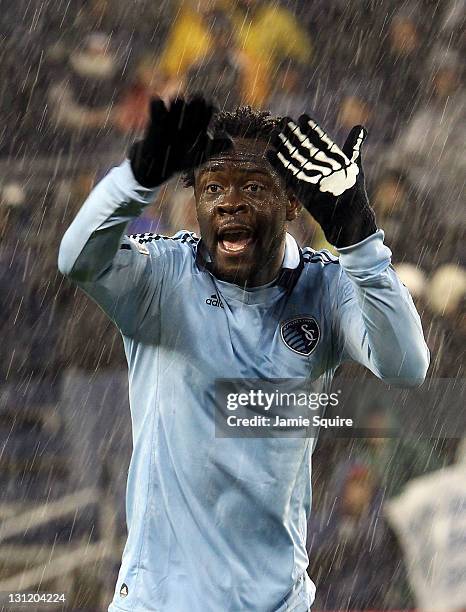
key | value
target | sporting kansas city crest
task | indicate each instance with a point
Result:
(300, 334)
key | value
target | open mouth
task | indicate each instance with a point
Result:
(235, 240)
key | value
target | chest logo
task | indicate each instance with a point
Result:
(214, 300)
(300, 334)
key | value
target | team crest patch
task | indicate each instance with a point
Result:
(300, 334)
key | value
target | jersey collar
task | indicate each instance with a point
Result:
(293, 264)
(291, 269)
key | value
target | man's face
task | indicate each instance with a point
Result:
(243, 208)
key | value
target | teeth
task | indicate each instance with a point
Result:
(235, 240)
(236, 245)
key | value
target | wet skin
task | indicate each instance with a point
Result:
(243, 208)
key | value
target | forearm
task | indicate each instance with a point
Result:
(92, 240)
(382, 328)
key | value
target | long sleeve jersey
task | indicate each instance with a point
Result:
(219, 523)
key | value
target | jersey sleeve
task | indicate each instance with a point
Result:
(118, 272)
(374, 317)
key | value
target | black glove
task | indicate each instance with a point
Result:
(328, 181)
(177, 138)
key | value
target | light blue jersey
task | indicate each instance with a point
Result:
(219, 524)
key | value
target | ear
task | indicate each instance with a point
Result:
(293, 206)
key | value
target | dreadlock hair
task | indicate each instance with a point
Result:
(244, 122)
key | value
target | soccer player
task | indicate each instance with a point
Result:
(219, 524)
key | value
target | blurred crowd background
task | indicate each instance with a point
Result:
(75, 82)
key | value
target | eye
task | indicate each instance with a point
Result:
(212, 188)
(254, 187)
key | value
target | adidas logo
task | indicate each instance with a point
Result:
(214, 300)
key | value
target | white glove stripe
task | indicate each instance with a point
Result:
(303, 161)
(308, 179)
(302, 138)
(297, 172)
(328, 146)
(316, 153)
(328, 141)
(357, 146)
(320, 168)
(339, 182)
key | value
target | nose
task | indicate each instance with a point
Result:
(233, 206)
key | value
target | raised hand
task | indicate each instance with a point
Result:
(177, 138)
(328, 181)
